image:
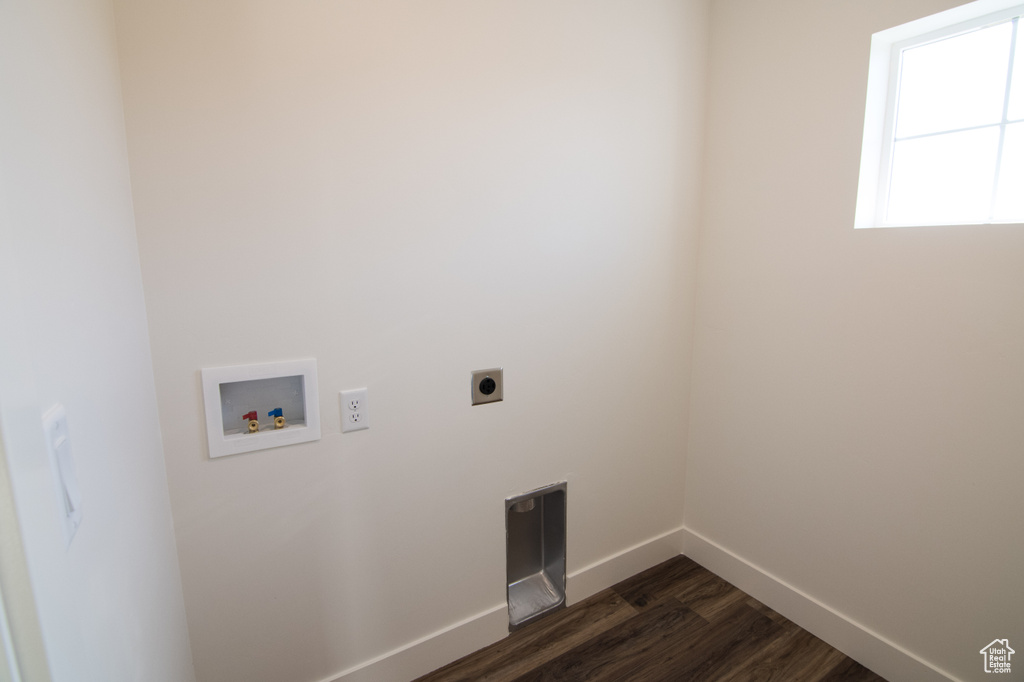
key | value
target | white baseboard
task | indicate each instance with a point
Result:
(433, 651)
(879, 654)
(459, 639)
(604, 573)
(870, 649)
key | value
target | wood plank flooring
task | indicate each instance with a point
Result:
(676, 621)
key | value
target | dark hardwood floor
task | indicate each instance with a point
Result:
(674, 622)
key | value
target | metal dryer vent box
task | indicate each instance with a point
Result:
(535, 554)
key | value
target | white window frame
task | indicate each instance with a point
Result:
(883, 90)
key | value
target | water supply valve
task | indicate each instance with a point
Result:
(278, 414)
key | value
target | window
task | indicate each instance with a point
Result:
(944, 127)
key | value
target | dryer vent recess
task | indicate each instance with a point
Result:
(535, 554)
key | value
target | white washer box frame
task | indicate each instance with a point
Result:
(220, 437)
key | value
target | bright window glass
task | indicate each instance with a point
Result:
(954, 83)
(944, 178)
(1016, 109)
(1010, 196)
(947, 147)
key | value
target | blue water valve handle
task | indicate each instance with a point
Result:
(278, 414)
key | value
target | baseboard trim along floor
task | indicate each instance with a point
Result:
(672, 622)
(460, 639)
(856, 641)
(491, 625)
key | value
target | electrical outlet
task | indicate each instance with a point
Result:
(355, 414)
(487, 386)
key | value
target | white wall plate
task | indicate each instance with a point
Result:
(231, 394)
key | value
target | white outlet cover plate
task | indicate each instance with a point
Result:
(355, 410)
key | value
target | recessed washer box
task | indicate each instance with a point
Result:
(232, 394)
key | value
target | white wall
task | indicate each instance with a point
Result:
(110, 607)
(408, 191)
(856, 423)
